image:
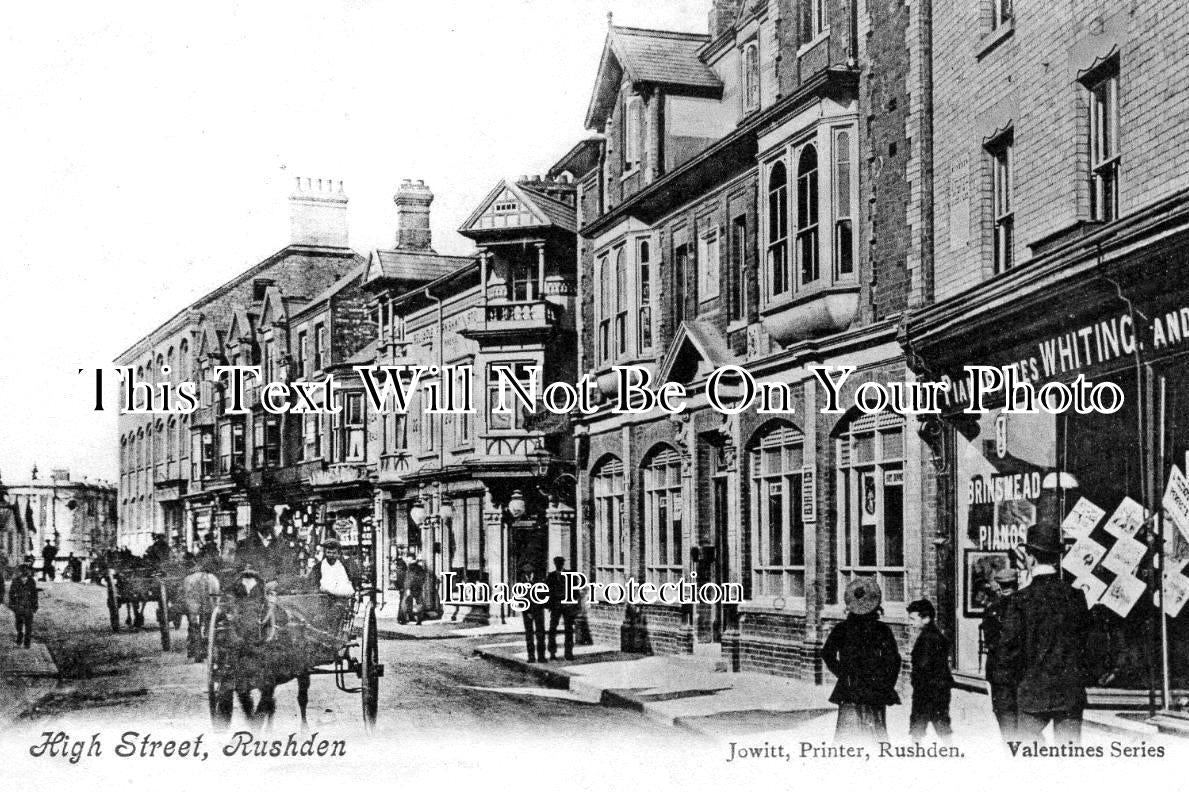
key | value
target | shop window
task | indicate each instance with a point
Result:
(1002, 209)
(751, 77)
(870, 454)
(807, 216)
(778, 230)
(1104, 144)
(611, 548)
(776, 468)
(709, 269)
(663, 525)
(644, 292)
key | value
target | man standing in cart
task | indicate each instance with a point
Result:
(1044, 644)
(337, 576)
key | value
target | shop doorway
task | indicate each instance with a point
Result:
(529, 549)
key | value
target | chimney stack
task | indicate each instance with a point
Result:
(318, 213)
(723, 14)
(412, 201)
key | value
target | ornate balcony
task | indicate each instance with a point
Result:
(395, 467)
(522, 320)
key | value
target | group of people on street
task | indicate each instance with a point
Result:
(1038, 655)
(560, 613)
(409, 577)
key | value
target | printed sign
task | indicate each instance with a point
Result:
(1124, 556)
(1082, 557)
(1082, 518)
(1176, 592)
(1092, 587)
(1176, 500)
(1122, 594)
(1127, 519)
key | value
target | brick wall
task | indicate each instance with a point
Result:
(1028, 79)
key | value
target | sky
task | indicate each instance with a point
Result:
(149, 148)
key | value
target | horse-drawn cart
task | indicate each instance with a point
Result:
(262, 640)
(132, 582)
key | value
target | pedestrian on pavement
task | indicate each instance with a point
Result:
(22, 600)
(533, 616)
(49, 554)
(1003, 689)
(559, 610)
(414, 598)
(931, 677)
(861, 651)
(74, 568)
(1044, 644)
(400, 570)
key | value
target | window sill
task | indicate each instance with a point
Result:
(629, 174)
(789, 606)
(994, 38)
(735, 325)
(818, 39)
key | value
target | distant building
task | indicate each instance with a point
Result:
(77, 516)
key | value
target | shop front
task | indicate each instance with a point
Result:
(1106, 312)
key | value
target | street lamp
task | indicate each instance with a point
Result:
(516, 505)
(417, 512)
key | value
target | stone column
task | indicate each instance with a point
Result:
(540, 270)
(496, 548)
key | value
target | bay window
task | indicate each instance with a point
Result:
(644, 292)
(778, 229)
(807, 216)
(844, 243)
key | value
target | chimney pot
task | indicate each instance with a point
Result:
(412, 201)
(317, 214)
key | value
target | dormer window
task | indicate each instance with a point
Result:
(751, 77)
(633, 128)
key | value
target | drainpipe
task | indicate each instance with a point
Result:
(441, 421)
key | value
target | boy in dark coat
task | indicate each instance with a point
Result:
(931, 677)
(861, 651)
(22, 600)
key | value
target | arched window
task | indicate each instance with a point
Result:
(171, 437)
(807, 211)
(633, 132)
(621, 303)
(870, 454)
(184, 359)
(173, 370)
(644, 292)
(778, 229)
(777, 473)
(751, 77)
(664, 536)
(611, 545)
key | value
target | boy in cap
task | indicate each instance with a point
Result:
(931, 677)
(22, 600)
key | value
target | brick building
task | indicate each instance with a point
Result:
(184, 475)
(485, 495)
(1060, 222)
(756, 201)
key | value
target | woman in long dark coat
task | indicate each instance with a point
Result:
(861, 651)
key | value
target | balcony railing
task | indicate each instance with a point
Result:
(528, 313)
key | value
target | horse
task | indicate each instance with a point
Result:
(199, 591)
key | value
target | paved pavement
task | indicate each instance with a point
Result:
(689, 693)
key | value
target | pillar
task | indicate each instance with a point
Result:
(540, 270)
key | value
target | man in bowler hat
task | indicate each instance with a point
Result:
(1044, 643)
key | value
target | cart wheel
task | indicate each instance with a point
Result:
(163, 615)
(113, 606)
(369, 670)
(212, 667)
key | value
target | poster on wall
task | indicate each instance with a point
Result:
(1092, 586)
(867, 510)
(1124, 556)
(1082, 518)
(1083, 557)
(979, 568)
(1176, 500)
(1176, 591)
(1127, 519)
(1123, 593)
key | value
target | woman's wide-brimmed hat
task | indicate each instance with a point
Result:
(862, 596)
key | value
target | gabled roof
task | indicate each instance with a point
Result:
(656, 57)
(241, 327)
(580, 160)
(411, 265)
(276, 307)
(697, 349)
(210, 342)
(518, 206)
